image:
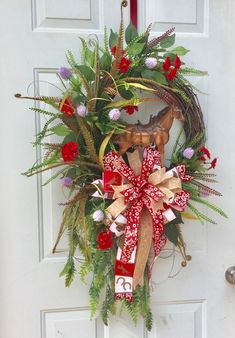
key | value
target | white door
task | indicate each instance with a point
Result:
(197, 302)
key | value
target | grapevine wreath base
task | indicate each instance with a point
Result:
(123, 203)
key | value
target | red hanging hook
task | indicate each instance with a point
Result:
(134, 12)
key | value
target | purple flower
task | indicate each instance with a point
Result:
(98, 216)
(150, 62)
(188, 153)
(67, 181)
(81, 110)
(114, 114)
(65, 73)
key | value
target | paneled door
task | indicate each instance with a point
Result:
(194, 302)
(34, 38)
(197, 302)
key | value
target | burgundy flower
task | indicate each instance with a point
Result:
(114, 51)
(177, 62)
(124, 65)
(69, 151)
(66, 108)
(167, 64)
(105, 240)
(131, 109)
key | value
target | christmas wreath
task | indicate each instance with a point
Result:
(123, 204)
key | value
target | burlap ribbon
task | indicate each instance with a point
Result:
(143, 197)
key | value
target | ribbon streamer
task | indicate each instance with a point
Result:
(143, 196)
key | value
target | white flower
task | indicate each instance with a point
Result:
(151, 62)
(98, 216)
(81, 110)
(114, 114)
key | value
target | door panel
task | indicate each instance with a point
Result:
(195, 302)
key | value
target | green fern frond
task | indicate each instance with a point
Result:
(106, 39)
(200, 215)
(82, 222)
(196, 139)
(209, 205)
(42, 111)
(108, 304)
(192, 72)
(69, 271)
(42, 134)
(71, 59)
(84, 269)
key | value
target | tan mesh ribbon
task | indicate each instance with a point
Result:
(144, 246)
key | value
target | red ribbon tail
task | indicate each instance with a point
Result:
(132, 230)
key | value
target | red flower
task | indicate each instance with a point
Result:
(170, 76)
(202, 158)
(166, 64)
(124, 65)
(105, 240)
(205, 151)
(114, 51)
(177, 62)
(66, 108)
(131, 109)
(213, 163)
(69, 151)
